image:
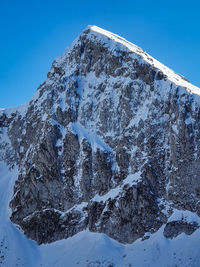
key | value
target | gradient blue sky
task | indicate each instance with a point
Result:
(33, 33)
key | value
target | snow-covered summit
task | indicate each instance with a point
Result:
(116, 42)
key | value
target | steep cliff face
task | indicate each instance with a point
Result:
(110, 142)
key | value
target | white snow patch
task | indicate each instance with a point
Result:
(90, 135)
(130, 180)
(175, 129)
(184, 215)
(21, 149)
(189, 120)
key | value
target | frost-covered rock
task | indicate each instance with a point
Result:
(110, 142)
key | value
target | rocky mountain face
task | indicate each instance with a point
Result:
(110, 143)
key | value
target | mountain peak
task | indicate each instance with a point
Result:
(110, 143)
(116, 43)
(100, 32)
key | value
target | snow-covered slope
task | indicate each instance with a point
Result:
(89, 249)
(105, 156)
(15, 248)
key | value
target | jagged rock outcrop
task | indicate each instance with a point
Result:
(110, 142)
(173, 229)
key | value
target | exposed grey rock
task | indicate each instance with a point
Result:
(175, 228)
(109, 141)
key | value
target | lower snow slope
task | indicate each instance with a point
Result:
(15, 248)
(86, 248)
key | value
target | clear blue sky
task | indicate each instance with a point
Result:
(33, 33)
